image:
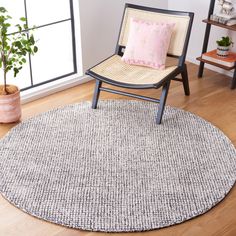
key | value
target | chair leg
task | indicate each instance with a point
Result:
(96, 94)
(184, 75)
(162, 104)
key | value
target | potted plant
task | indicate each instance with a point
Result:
(223, 46)
(14, 49)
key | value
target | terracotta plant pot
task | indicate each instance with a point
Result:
(10, 107)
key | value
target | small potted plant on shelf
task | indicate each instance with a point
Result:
(223, 46)
(14, 49)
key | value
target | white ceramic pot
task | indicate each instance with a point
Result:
(10, 108)
(223, 51)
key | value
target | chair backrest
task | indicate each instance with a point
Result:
(180, 37)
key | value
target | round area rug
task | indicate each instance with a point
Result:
(114, 169)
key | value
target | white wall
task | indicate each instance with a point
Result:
(200, 8)
(100, 22)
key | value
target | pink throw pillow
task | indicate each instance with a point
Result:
(148, 43)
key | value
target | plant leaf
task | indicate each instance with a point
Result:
(3, 10)
(35, 49)
(23, 19)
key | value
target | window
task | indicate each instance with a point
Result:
(55, 36)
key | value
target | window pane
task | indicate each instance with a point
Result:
(55, 55)
(42, 12)
(11, 7)
(22, 79)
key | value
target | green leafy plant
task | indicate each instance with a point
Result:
(14, 47)
(225, 42)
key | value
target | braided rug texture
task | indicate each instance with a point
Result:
(113, 169)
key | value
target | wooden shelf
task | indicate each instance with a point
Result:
(210, 22)
(216, 64)
(233, 27)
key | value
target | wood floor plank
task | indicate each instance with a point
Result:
(211, 98)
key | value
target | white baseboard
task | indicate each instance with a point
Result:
(53, 87)
(210, 67)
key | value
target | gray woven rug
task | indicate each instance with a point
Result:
(113, 169)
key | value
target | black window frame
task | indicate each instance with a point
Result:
(75, 70)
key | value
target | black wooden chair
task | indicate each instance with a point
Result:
(117, 73)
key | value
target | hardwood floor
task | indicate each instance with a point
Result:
(211, 98)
